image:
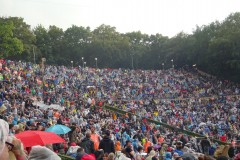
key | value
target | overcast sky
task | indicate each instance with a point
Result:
(167, 17)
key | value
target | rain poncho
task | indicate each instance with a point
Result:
(42, 153)
(4, 130)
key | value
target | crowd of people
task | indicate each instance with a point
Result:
(35, 97)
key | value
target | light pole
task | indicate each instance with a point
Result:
(172, 63)
(195, 67)
(84, 64)
(96, 62)
(34, 56)
(72, 63)
(82, 61)
(163, 66)
(43, 69)
(132, 60)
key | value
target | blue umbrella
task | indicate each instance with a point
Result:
(59, 129)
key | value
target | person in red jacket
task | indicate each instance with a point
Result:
(223, 138)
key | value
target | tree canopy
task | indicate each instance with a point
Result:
(9, 43)
(214, 48)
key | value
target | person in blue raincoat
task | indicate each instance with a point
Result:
(125, 137)
(135, 144)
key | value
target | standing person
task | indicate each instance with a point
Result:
(160, 139)
(73, 134)
(147, 144)
(95, 138)
(107, 144)
(87, 144)
(60, 121)
(138, 155)
(205, 144)
(129, 150)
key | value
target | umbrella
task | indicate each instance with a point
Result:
(59, 129)
(33, 138)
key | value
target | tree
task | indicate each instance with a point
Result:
(55, 37)
(76, 41)
(9, 44)
(109, 46)
(23, 32)
(43, 42)
(138, 48)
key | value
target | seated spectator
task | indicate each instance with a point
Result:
(151, 155)
(72, 151)
(111, 156)
(179, 149)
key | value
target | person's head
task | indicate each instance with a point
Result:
(39, 127)
(179, 145)
(5, 147)
(80, 150)
(88, 134)
(128, 143)
(107, 133)
(178, 158)
(111, 156)
(105, 156)
(140, 149)
(99, 154)
(175, 155)
(168, 155)
(92, 129)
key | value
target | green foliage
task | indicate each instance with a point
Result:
(23, 32)
(215, 48)
(9, 44)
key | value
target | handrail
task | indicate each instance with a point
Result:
(64, 157)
